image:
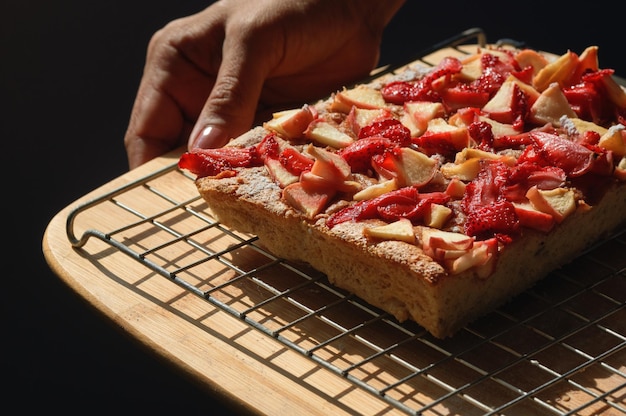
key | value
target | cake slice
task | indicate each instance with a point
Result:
(407, 193)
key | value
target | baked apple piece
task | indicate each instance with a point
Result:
(400, 230)
(360, 96)
(326, 134)
(292, 123)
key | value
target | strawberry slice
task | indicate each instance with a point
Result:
(527, 174)
(497, 219)
(512, 142)
(462, 95)
(360, 210)
(487, 187)
(402, 203)
(413, 207)
(294, 161)
(481, 132)
(359, 153)
(487, 213)
(572, 157)
(389, 128)
(368, 209)
(398, 92)
(268, 147)
(211, 162)
(590, 99)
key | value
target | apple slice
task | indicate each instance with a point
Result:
(440, 244)
(472, 68)
(361, 96)
(583, 126)
(501, 106)
(481, 256)
(360, 117)
(465, 171)
(499, 129)
(308, 202)
(291, 124)
(328, 164)
(476, 153)
(616, 92)
(558, 202)
(437, 215)
(312, 182)
(419, 113)
(327, 134)
(279, 173)
(456, 188)
(408, 122)
(587, 62)
(414, 168)
(530, 57)
(551, 106)
(376, 189)
(401, 230)
(614, 140)
(557, 71)
(531, 217)
(440, 129)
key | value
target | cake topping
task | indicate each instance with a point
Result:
(475, 151)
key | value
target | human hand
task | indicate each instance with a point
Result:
(210, 76)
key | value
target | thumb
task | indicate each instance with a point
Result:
(230, 108)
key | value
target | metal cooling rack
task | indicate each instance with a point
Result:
(557, 349)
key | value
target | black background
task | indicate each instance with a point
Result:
(69, 71)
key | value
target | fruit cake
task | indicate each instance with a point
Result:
(435, 193)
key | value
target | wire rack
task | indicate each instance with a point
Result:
(557, 349)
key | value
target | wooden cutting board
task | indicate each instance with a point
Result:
(257, 371)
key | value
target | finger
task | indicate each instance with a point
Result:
(178, 77)
(150, 133)
(156, 121)
(230, 109)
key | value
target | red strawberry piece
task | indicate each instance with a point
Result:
(435, 143)
(463, 95)
(495, 72)
(570, 156)
(412, 206)
(481, 132)
(512, 142)
(368, 209)
(487, 187)
(211, 162)
(589, 99)
(294, 161)
(359, 154)
(492, 219)
(526, 174)
(402, 203)
(361, 209)
(524, 74)
(268, 147)
(397, 92)
(389, 128)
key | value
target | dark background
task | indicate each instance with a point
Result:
(68, 72)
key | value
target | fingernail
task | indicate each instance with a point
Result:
(208, 137)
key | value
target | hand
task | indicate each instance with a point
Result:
(210, 76)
